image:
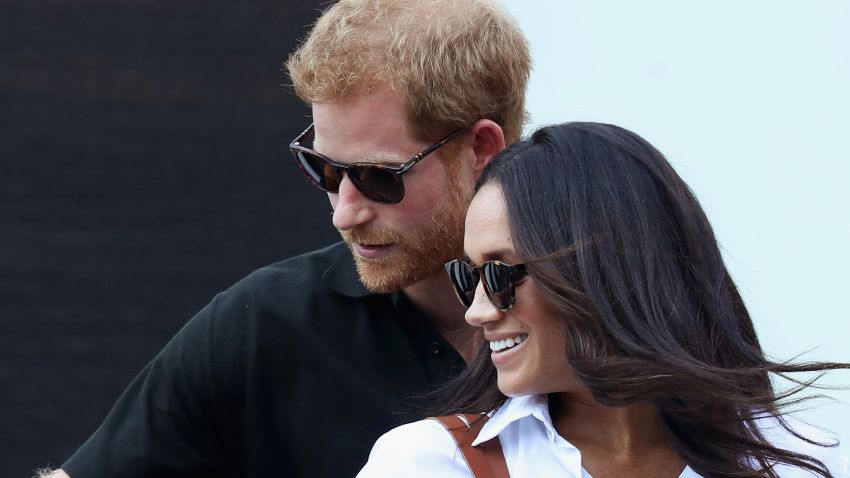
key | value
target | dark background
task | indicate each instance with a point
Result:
(144, 168)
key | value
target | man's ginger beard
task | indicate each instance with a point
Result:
(417, 253)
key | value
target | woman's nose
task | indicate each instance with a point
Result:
(482, 311)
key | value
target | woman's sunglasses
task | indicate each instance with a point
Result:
(499, 281)
(379, 182)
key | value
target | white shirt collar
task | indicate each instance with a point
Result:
(514, 409)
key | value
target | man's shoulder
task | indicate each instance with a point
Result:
(329, 269)
(286, 299)
(308, 266)
(325, 277)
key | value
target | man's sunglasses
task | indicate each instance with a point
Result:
(379, 182)
(499, 281)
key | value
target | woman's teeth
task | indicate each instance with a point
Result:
(499, 345)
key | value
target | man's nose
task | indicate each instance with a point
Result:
(351, 207)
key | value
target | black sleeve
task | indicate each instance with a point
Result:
(166, 421)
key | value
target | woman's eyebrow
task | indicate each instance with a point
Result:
(502, 254)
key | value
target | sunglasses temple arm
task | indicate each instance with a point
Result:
(420, 156)
(300, 137)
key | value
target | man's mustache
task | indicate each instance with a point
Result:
(371, 236)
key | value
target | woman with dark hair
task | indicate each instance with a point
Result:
(613, 326)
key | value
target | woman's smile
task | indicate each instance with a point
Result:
(504, 350)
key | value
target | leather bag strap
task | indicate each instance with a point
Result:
(485, 460)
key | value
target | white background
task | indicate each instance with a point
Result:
(750, 101)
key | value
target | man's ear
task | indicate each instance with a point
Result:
(487, 140)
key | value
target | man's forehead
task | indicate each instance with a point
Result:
(366, 128)
(377, 107)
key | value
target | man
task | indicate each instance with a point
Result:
(298, 368)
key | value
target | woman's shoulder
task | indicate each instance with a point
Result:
(422, 448)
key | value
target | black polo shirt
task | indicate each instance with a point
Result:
(294, 371)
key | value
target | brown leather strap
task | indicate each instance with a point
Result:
(485, 460)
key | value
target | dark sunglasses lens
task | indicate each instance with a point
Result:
(319, 171)
(497, 282)
(377, 184)
(464, 281)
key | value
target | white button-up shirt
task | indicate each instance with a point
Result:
(533, 448)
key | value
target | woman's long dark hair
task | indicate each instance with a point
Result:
(620, 247)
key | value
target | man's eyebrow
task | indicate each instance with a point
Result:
(384, 158)
(374, 158)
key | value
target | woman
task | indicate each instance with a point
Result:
(612, 325)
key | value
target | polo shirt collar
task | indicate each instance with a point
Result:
(342, 276)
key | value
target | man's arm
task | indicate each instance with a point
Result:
(166, 412)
